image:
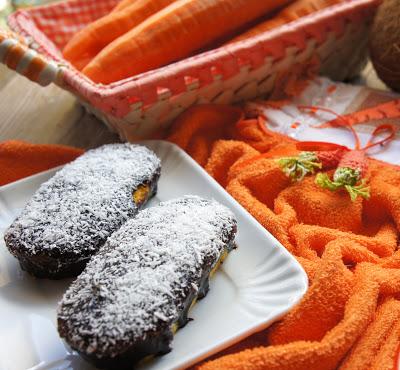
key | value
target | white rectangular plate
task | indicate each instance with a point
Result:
(257, 284)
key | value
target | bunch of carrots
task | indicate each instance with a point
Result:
(351, 164)
(141, 35)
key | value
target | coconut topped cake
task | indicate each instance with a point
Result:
(72, 214)
(138, 289)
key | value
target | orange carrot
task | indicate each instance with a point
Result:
(349, 175)
(173, 33)
(307, 162)
(88, 42)
(122, 5)
(354, 164)
(296, 10)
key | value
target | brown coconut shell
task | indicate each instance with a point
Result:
(385, 43)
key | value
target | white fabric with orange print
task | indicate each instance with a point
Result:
(340, 98)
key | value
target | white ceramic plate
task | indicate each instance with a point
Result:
(257, 284)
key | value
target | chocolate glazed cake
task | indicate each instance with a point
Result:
(137, 291)
(70, 217)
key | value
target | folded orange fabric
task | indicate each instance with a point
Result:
(19, 159)
(349, 318)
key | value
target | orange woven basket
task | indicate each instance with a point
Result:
(139, 106)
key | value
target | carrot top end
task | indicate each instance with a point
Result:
(347, 176)
(296, 168)
(359, 190)
(323, 180)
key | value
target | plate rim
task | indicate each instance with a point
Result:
(30, 177)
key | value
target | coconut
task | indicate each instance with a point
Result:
(385, 43)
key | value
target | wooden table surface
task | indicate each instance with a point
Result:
(51, 115)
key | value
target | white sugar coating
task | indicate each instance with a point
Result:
(140, 278)
(77, 209)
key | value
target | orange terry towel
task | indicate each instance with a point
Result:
(349, 318)
(19, 159)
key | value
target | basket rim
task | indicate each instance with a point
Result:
(146, 88)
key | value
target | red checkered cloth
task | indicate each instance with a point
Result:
(61, 20)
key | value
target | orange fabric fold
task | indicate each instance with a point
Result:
(349, 317)
(19, 159)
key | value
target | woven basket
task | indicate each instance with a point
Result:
(142, 105)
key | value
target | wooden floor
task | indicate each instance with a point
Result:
(50, 115)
